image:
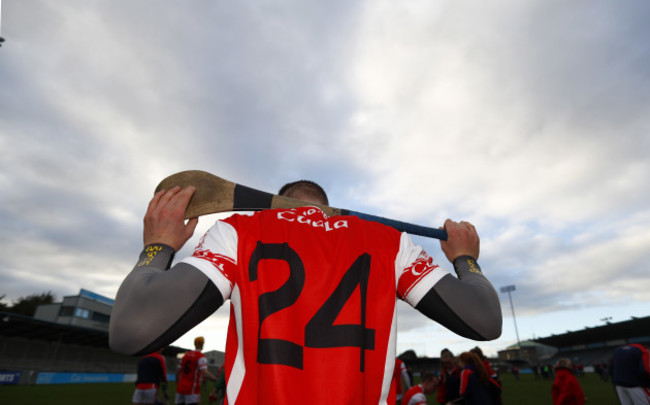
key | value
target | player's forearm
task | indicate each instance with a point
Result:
(467, 305)
(155, 306)
(208, 375)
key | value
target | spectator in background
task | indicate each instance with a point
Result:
(631, 374)
(152, 373)
(536, 371)
(602, 369)
(477, 351)
(449, 389)
(566, 389)
(416, 395)
(476, 386)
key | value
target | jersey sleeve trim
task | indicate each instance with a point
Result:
(218, 279)
(415, 271)
(216, 255)
(418, 291)
(418, 399)
(202, 363)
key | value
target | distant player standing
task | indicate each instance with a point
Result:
(566, 389)
(631, 374)
(313, 298)
(449, 389)
(152, 373)
(401, 379)
(189, 373)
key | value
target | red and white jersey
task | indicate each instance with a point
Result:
(189, 372)
(414, 396)
(313, 303)
(398, 373)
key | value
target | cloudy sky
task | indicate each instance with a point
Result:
(529, 119)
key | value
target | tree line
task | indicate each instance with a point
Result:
(26, 305)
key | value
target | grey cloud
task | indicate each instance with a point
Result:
(528, 119)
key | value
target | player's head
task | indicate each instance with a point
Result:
(198, 342)
(564, 363)
(430, 382)
(477, 351)
(305, 190)
(447, 358)
(466, 359)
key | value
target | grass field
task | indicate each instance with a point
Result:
(526, 391)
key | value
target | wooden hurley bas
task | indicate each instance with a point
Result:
(214, 194)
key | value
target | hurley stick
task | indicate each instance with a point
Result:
(214, 194)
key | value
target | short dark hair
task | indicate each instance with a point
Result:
(428, 376)
(307, 186)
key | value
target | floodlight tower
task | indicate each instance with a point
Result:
(509, 289)
(1, 39)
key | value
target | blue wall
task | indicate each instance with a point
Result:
(81, 378)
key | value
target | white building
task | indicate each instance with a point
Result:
(86, 310)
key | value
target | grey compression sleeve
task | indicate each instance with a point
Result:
(467, 305)
(156, 305)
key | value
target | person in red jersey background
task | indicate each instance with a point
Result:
(190, 371)
(566, 388)
(312, 297)
(401, 379)
(416, 395)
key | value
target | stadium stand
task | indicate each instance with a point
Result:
(590, 346)
(70, 337)
(597, 344)
(31, 346)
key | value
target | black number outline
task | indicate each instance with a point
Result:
(320, 331)
(278, 351)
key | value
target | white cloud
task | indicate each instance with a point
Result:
(529, 120)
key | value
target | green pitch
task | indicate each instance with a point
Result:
(526, 391)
